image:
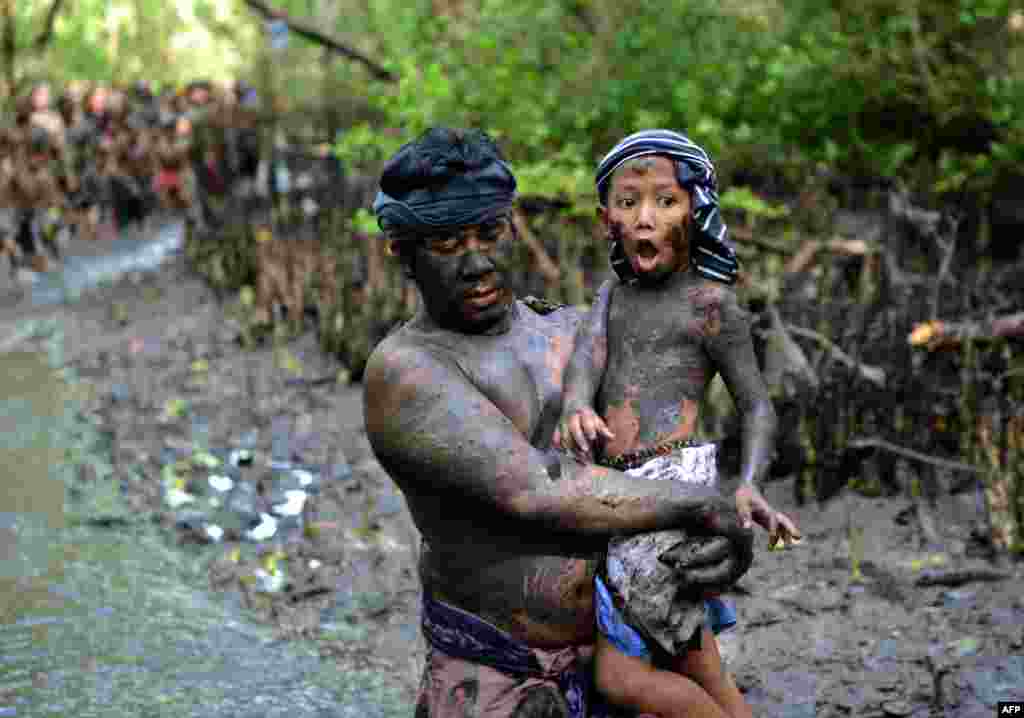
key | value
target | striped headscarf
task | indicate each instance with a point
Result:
(710, 250)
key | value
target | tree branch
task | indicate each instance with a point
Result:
(8, 45)
(874, 374)
(876, 443)
(947, 248)
(923, 220)
(746, 236)
(46, 34)
(546, 265)
(959, 576)
(786, 369)
(311, 33)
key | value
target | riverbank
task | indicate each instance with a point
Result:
(336, 607)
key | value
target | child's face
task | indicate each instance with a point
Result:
(649, 213)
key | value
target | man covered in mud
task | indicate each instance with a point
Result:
(461, 405)
(33, 189)
(672, 324)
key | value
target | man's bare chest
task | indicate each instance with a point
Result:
(523, 380)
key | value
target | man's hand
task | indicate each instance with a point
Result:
(714, 563)
(721, 551)
(577, 430)
(752, 506)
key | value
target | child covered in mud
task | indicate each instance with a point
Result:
(640, 368)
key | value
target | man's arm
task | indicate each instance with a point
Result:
(579, 424)
(433, 429)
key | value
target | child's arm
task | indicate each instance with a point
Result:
(579, 424)
(730, 346)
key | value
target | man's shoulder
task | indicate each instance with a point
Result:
(545, 312)
(402, 356)
(395, 351)
(541, 306)
(400, 373)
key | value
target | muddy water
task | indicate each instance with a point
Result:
(136, 249)
(105, 618)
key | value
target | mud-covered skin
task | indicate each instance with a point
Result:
(475, 259)
(462, 419)
(669, 344)
(669, 333)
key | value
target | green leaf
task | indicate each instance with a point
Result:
(743, 198)
(205, 459)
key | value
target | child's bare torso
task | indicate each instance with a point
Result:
(658, 366)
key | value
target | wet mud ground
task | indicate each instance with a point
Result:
(811, 641)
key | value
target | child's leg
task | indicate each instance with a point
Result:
(704, 665)
(632, 682)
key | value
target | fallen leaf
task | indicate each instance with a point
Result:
(205, 459)
(966, 646)
(175, 408)
(924, 333)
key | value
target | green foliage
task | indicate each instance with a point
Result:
(881, 89)
(362, 146)
(562, 175)
(743, 199)
(365, 222)
(878, 88)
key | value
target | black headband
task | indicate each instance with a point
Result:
(425, 192)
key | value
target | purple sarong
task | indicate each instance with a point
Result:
(475, 668)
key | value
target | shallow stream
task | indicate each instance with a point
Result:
(99, 614)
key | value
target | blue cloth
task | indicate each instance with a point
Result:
(719, 617)
(711, 251)
(612, 625)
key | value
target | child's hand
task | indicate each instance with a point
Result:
(578, 429)
(752, 506)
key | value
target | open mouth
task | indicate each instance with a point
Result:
(646, 250)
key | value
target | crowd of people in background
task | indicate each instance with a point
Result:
(87, 161)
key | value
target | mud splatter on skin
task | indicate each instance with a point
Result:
(556, 357)
(513, 387)
(560, 594)
(645, 197)
(667, 343)
(677, 236)
(707, 300)
(623, 418)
